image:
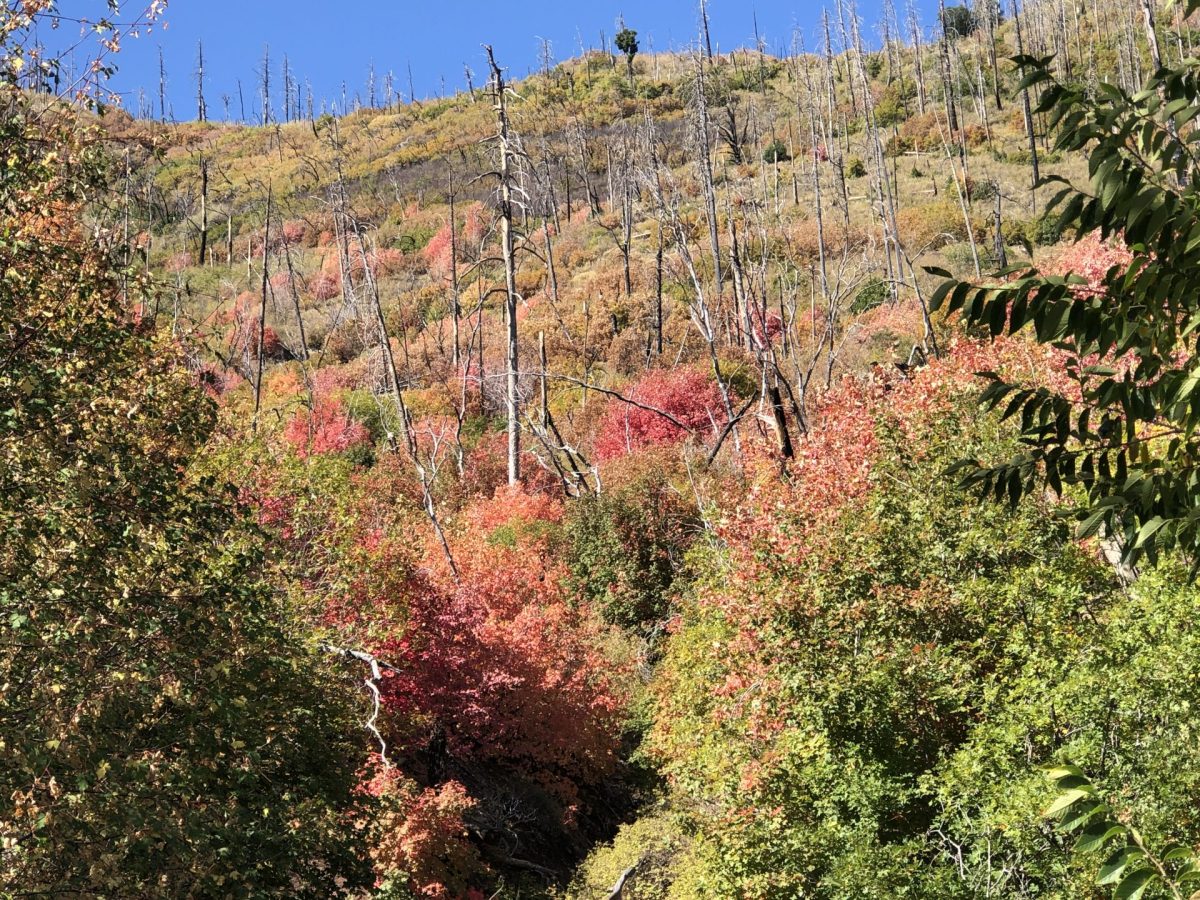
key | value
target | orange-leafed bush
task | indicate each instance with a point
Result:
(687, 394)
(422, 837)
(803, 239)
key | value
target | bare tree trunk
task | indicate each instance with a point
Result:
(454, 294)
(918, 55)
(203, 209)
(201, 106)
(1001, 252)
(162, 86)
(991, 10)
(704, 162)
(740, 298)
(295, 295)
(1026, 107)
(708, 50)
(262, 313)
(506, 247)
(947, 74)
(658, 295)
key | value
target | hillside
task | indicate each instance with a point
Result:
(548, 490)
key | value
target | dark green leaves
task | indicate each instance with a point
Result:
(1129, 866)
(1122, 428)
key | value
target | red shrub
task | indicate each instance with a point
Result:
(216, 382)
(688, 394)
(325, 285)
(326, 429)
(437, 252)
(335, 378)
(1091, 257)
(500, 658)
(293, 233)
(423, 837)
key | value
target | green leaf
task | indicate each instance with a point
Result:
(1134, 884)
(1114, 867)
(1068, 799)
(1096, 836)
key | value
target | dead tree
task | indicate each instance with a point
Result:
(914, 25)
(700, 129)
(947, 72)
(454, 293)
(506, 190)
(162, 86)
(201, 106)
(262, 314)
(1026, 106)
(203, 209)
(265, 86)
(988, 10)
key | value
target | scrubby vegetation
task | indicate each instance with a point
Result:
(579, 497)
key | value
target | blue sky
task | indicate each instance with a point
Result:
(331, 42)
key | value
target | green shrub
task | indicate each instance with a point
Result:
(625, 547)
(871, 295)
(776, 152)
(855, 167)
(1043, 231)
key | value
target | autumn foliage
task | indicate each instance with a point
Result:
(688, 397)
(326, 428)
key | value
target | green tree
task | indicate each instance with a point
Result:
(1123, 432)
(627, 43)
(162, 731)
(776, 152)
(958, 21)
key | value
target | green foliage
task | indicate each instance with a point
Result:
(958, 21)
(855, 167)
(1124, 433)
(871, 295)
(162, 732)
(626, 41)
(1044, 230)
(626, 546)
(892, 108)
(864, 727)
(627, 44)
(1130, 866)
(776, 152)
(653, 847)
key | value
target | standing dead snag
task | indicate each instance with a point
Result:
(700, 125)
(505, 174)
(262, 312)
(455, 310)
(1026, 108)
(203, 209)
(201, 105)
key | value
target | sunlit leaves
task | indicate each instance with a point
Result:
(1123, 316)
